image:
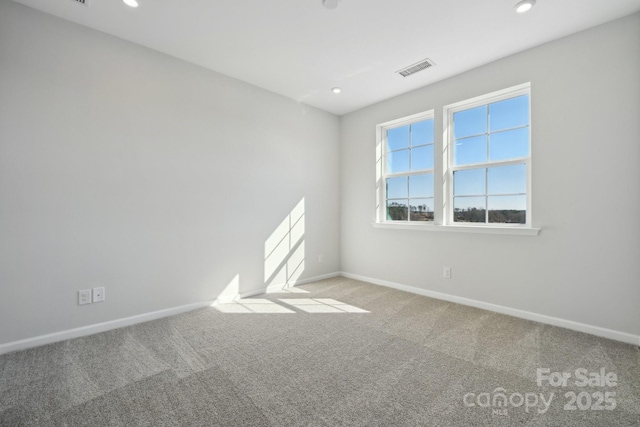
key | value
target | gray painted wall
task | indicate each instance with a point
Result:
(125, 168)
(584, 266)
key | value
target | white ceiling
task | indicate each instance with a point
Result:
(299, 49)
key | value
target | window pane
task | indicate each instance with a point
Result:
(422, 133)
(509, 113)
(421, 209)
(398, 138)
(397, 210)
(508, 209)
(507, 179)
(469, 209)
(469, 182)
(421, 186)
(470, 150)
(398, 161)
(397, 188)
(510, 144)
(422, 158)
(470, 122)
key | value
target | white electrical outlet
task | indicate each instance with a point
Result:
(84, 296)
(447, 273)
(98, 294)
(320, 258)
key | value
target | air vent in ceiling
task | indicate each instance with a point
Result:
(418, 66)
(82, 2)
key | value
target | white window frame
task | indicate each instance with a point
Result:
(443, 171)
(449, 141)
(381, 167)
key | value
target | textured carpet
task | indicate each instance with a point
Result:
(331, 353)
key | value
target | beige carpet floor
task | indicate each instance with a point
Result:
(337, 352)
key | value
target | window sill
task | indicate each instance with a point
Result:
(478, 229)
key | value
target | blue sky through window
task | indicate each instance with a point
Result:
(410, 147)
(510, 113)
(507, 138)
(470, 122)
(421, 186)
(422, 133)
(510, 144)
(397, 188)
(398, 138)
(494, 132)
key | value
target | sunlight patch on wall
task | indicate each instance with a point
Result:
(284, 250)
(295, 265)
(231, 291)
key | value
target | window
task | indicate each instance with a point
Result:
(488, 147)
(480, 180)
(405, 169)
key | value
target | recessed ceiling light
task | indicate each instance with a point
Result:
(336, 90)
(130, 3)
(330, 4)
(525, 6)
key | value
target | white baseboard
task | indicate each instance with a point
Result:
(281, 286)
(140, 318)
(128, 321)
(315, 279)
(549, 320)
(98, 327)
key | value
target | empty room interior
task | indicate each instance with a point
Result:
(319, 212)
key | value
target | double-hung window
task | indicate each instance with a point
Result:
(488, 141)
(480, 177)
(405, 169)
